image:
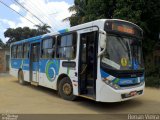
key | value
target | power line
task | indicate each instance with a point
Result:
(44, 16)
(60, 24)
(16, 12)
(42, 11)
(28, 11)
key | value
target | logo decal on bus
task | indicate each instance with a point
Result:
(52, 69)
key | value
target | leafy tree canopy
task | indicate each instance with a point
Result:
(43, 28)
(25, 32)
(1, 43)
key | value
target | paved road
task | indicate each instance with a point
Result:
(15, 98)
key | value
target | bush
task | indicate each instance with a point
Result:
(152, 81)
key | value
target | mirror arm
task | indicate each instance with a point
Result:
(104, 48)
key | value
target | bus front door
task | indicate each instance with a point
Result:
(88, 64)
(34, 62)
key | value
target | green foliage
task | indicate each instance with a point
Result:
(1, 43)
(152, 81)
(42, 29)
(25, 32)
(89, 10)
(19, 33)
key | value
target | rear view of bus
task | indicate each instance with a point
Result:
(121, 63)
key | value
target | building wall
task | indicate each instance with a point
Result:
(4, 60)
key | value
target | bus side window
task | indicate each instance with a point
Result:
(19, 51)
(13, 51)
(66, 47)
(26, 51)
(48, 48)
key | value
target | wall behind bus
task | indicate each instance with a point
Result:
(4, 60)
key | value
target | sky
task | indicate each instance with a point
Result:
(51, 12)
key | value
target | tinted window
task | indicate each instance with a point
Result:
(48, 43)
(66, 46)
(26, 51)
(13, 52)
(48, 48)
(19, 51)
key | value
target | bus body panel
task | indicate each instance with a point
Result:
(49, 71)
(108, 94)
(16, 64)
(105, 93)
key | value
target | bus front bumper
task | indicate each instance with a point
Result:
(108, 94)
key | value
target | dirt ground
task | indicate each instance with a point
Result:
(15, 98)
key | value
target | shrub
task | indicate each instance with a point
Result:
(152, 81)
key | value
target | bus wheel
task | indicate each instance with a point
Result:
(65, 89)
(21, 78)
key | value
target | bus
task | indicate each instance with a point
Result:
(100, 60)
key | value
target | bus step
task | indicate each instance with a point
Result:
(88, 96)
(34, 83)
(90, 90)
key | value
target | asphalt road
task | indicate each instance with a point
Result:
(15, 98)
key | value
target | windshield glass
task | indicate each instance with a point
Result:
(123, 53)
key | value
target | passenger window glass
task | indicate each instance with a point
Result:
(66, 49)
(19, 51)
(69, 40)
(63, 41)
(48, 48)
(26, 51)
(48, 43)
(13, 52)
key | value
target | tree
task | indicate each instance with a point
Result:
(89, 10)
(19, 34)
(1, 43)
(43, 29)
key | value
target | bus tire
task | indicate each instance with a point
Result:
(65, 89)
(21, 78)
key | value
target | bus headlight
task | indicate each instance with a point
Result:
(110, 83)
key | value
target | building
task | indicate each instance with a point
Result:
(4, 60)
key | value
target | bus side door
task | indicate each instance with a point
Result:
(34, 62)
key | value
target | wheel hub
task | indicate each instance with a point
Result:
(67, 89)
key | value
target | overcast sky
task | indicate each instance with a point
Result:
(51, 12)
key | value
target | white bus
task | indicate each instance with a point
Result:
(100, 60)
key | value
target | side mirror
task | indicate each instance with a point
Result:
(102, 41)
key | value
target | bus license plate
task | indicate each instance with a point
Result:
(133, 93)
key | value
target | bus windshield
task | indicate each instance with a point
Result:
(123, 53)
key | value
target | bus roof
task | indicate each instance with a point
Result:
(32, 39)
